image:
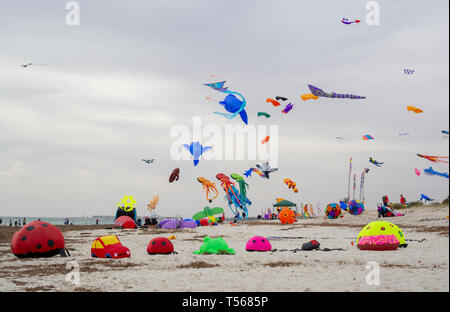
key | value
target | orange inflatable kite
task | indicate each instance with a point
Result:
(274, 102)
(265, 140)
(287, 216)
(414, 109)
(309, 96)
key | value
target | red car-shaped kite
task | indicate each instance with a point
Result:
(109, 246)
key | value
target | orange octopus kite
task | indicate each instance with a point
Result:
(209, 187)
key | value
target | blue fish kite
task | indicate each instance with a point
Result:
(425, 197)
(248, 173)
(430, 171)
(231, 103)
(196, 150)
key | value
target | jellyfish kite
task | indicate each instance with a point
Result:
(231, 103)
(242, 186)
(435, 159)
(237, 207)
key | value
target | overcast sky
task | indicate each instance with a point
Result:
(73, 132)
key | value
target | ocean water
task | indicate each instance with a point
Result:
(60, 221)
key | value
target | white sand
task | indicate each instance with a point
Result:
(422, 266)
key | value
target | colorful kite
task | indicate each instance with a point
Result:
(376, 163)
(417, 171)
(408, 71)
(368, 137)
(291, 185)
(231, 103)
(263, 114)
(347, 22)
(435, 159)
(414, 109)
(248, 173)
(196, 150)
(287, 108)
(274, 102)
(430, 171)
(208, 213)
(209, 187)
(319, 92)
(266, 169)
(238, 208)
(309, 96)
(265, 140)
(242, 186)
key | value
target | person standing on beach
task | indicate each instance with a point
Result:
(96, 221)
(15, 222)
(24, 221)
(1, 221)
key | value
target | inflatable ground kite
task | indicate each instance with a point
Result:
(124, 222)
(287, 216)
(160, 245)
(376, 236)
(333, 211)
(355, 207)
(214, 246)
(258, 243)
(38, 239)
(109, 246)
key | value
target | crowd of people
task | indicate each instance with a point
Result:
(17, 222)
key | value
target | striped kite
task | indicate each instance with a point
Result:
(319, 92)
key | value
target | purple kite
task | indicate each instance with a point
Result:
(319, 92)
(287, 108)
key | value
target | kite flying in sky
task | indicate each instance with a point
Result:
(287, 108)
(266, 169)
(263, 114)
(430, 171)
(319, 92)
(347, 22)
(435, 159)
(417, 171)
(376, 163)
(309, 96)
(148, 161)
(196, 150)
(231, 103)
(274, 102)
(281, 98)
(368, 137)
(408, 71)
(414, 109)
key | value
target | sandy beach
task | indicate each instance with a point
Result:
(422, 266)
